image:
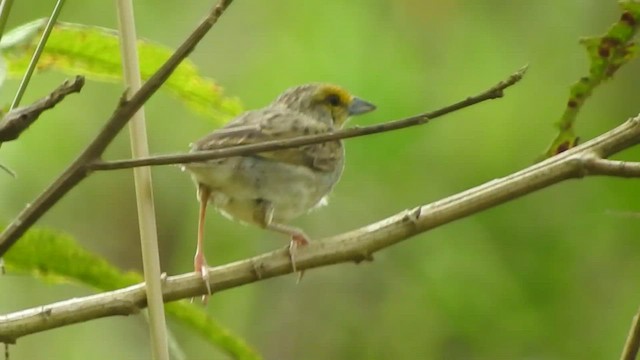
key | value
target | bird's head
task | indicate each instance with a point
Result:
(324, 102)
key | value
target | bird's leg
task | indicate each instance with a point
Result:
(298, 237)
(199, 261)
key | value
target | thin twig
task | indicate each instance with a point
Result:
(632, 345)
(36, 54)
(494, 92)
(18, 120)
(143, 186)
(7, 170)
(599, 166)
(356, 245)
(77, 171)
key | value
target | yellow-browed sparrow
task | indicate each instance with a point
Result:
(271, 188)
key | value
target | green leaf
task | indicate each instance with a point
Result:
(57, 257)
(95, 53)
(200, 322)
(607, 53)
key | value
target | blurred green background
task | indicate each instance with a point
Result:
(551, 276)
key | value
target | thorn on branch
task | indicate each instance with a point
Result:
(364, 256)
(18, 120)
(124, 98)
(413, 215)
(45, 312)
(257, 269)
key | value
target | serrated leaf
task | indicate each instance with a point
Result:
(56, 257)
(95, 53)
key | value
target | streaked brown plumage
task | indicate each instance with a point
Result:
(271, 188)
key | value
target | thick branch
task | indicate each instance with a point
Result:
(356, 245)
(494, 92)
(18, 120)
(77, 170)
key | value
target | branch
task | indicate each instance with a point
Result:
(598, 166)
(18, 120)
(356, 245)
(77, 171)
(494, 92)
(632, 345)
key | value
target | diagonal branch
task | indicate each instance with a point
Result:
(356, 245)
(77, 171)
(495, 92)
(18, 120)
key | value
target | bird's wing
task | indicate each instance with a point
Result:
(277, 124)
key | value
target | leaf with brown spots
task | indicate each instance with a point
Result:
(607, 53)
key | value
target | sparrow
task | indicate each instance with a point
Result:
(269, 189)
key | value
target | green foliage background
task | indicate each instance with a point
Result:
(551, 276)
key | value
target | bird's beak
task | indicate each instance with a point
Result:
(359, 106)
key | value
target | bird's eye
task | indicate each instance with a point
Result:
(333, 99)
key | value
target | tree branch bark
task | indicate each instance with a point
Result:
(357, 245)
(18, 120)
(598, 166)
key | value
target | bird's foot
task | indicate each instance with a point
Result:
(298, 239)
(201, 268)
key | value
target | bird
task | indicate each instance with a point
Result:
(271, 188)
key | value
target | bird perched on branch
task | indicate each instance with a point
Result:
(269, 189)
